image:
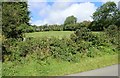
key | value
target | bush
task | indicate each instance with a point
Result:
(63, 48)
(113, 33)
(86, 35)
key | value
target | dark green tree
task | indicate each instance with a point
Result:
(107, 14)
(70, 20)
(15, 16)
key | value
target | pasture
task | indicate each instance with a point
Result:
(58, 34)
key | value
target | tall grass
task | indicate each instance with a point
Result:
(56, 67)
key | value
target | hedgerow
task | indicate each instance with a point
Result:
(83, 43)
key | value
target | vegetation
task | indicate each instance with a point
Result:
(0, 69)
(14, 19)
(41, 53)
(47, 28)
(107, 14)
(71, 50)
(70, 20)
(65, 27)
(56, 67)
(57, 34)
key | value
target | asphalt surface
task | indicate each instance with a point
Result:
(106, 71)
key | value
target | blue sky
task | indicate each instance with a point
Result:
(49, 12)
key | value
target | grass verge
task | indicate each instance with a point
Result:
(56, 67)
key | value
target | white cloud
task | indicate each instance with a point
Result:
(57, 12)
(109, 0)
(64, 0)
(37, 0)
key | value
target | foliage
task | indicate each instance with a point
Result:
(69, 20)
(14, 19)
(73, 27)
(47, 28)
(105, 15)
(113, 33)
(95, 39)
(15, 50)
(86, 23)
(67, 49)
(30, 29)
(85, 34)
(33, 68)
(67, 27)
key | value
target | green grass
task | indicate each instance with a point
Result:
(59, 34)
(0, 69)
(56, 67)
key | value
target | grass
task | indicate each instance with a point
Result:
(56, 67)
(58, 34)
(0, 69)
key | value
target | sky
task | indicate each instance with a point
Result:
(56, 11)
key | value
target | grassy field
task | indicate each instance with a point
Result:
(56, 67)
(58, 34)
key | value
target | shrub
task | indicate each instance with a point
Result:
(63, 48)
(86, 35)
(113, 33)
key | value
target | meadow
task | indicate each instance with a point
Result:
(58, 34)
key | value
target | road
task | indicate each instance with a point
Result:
(106, 71)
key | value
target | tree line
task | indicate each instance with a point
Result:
(106, 15)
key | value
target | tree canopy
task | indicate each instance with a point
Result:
(107, 14)
(70, 20)
(15, 18)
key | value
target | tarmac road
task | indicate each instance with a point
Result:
(106, 71)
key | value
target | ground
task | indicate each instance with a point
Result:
(50, 34)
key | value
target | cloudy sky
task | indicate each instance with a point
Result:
(56, 11)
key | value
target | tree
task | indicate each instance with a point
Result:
(107, 14)
(73, 27)
(70, 20)
(86, 23)
(15, 16)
